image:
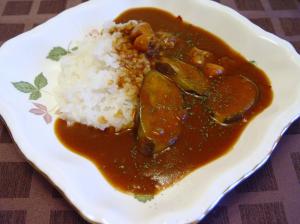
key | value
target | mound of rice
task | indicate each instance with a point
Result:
(99, 82)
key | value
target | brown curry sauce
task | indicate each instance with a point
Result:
(201, 141)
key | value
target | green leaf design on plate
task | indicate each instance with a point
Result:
(143, 198)
(24, 87)
(56, 53)
(40, 81)
(35, 95)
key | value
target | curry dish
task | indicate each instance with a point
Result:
(193, 105)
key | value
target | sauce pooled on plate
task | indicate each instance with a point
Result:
(217, 93)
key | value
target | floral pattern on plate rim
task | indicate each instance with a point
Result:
(35, 90)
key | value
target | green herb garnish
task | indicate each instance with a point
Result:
(143, 197)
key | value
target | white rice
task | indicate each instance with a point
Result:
(87, 90)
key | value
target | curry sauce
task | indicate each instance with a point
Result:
(201, 139)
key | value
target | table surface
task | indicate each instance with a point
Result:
(271, 195)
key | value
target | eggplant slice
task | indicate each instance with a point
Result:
(230, 98)
(186, 76)
(161, 113)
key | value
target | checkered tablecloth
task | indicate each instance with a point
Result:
(270, 196)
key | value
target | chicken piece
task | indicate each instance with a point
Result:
(140, 29)
(199, 57)
(142, 42)
(142, 35)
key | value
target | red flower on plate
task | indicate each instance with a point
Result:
(41, 110)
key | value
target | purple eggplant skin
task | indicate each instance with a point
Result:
(186, 76)
(161, 113)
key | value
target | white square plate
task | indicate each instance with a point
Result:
(189, 200)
